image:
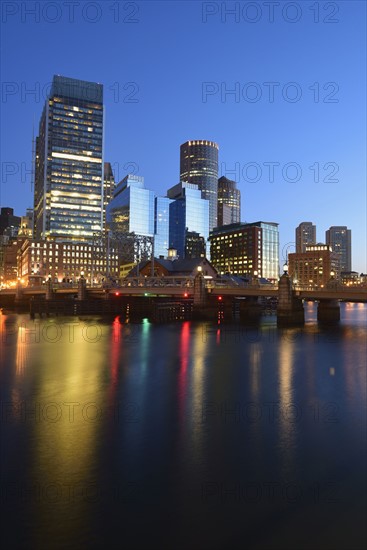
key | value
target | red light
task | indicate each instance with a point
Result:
(219, 297)
(117, 294)
(185, 295)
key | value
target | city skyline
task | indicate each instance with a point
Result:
(152, 108)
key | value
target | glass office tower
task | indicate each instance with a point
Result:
(199, 165)
(68, 186)
(161, 226)
(132, 208)
(189, 212)
(229, 202)
(108, 189)
(269, 252)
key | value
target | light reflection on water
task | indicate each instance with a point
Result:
(108, 427)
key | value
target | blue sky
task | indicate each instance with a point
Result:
(168, 68)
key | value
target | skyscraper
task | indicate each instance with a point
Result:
(68, 187)
(199, 165)
(189, 212)
(132, 208)
(305, 236)
(108, 189)
(229, 202)
(161, 226)
(339, 237)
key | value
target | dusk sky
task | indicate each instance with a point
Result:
(299, 96)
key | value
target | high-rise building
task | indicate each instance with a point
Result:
(108, 189)
(305, 236)
(236, 249)
(246, 249)
(161, 226)
(189, 211)
(339, 237)
(314, 267)
(68, 186)
(130, 216)
(269, 249)
(131, 209)
(199, 165)
(229, 202)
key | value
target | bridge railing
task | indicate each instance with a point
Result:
(158, 282)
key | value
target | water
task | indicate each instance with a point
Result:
(188, 435)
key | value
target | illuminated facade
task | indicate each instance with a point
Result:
(314, 267)
(189, 212)
(68, 186)
(108, 189)
(339, 237)
(305, 236)
(246, 249)
(66, 262)
(229, 202)
(132, 208)
(199, 165)
(161, 226)
(236, 249)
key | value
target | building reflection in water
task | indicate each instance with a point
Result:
(288, 408)
(65, 436)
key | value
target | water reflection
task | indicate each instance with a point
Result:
(192, 407)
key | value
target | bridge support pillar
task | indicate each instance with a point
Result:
(250, 310)
(290, 308)
(200, 296)
(82, 289)
(328, 311)
(18, 292)
(202, 309)
(49, 290)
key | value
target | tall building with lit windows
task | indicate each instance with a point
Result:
(229, 202)
(305, 236)
(68, 181)
(199, 165)
(339, 237)
(246, 249)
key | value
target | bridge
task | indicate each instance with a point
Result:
(204, 293)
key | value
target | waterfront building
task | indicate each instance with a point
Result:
(189, 212)
(250, 249)
(66, 262)
(229, 202)
(314, 267)
(305, 236)
(68, 185)
(161, 226)
(199, 165)
(339, 237)
(178, 267)
(131, 209)
(236, 249)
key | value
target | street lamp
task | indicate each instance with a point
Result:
(285, 269)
